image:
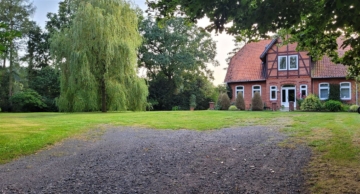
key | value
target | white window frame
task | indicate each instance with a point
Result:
(349, 87)
(279, 59)
(287, 65)
(297, 62)
(323, 87)
(302, 89)
(273, 89)
(256, 90)
(239, 90)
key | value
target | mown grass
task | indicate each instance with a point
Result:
(334, 137)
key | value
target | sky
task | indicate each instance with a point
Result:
(224, 42)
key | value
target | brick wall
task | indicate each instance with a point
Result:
(316, 83)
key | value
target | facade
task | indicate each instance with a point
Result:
(281, 74)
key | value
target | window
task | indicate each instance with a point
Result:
(273, 92)
(256, 89)
(324, 91)
(239, 89)
(288, 62)
(293, 62)
(303, 91)
(282, 63)
(345, 91)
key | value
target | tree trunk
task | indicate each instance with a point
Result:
(11, 71)
(5, 55)
(103, 95)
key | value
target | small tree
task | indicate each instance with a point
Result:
(256, 102)
(224, 101)
(240, 103)
(192, 101)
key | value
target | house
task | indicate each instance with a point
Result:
(282, 74)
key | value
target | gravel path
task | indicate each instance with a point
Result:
(130, 160)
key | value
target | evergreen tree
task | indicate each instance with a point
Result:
(240, 103)
(97, 58)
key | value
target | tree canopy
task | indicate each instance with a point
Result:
(97, 58)
(176, 57)
(314, 24)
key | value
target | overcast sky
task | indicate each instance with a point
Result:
(224, 42)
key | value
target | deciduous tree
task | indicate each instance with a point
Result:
(97, 57)
(171, 54)
(314, 24)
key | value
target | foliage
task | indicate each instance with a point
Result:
(38, 55)
(315, 26)
(311, 103)
(240, 103)
(97, 58)
(233, 108)
(192, 101)
(27, 101)
(300, 101)
(7, 36)
(257, 103)
(15, 15)
(334, 93)
(223, 102)
(333, 105)
(353, 108)
(229, 91)
(46, 82)
(176, 56)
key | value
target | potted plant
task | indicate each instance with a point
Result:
(192, 102)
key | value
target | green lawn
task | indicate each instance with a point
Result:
(334, 137)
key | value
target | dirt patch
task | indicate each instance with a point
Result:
(132, 160)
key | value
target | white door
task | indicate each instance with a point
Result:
(288, 94)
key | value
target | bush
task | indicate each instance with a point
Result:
(311, 103)
(192, 101)
(256, 102)
(333, 105)
(233, 107)
(224, 101)
(354, 108)
(240, 103)
(27, 101)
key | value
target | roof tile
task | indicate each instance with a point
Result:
(246, 65)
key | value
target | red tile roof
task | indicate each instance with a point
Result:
(246, 65)
(324, 68)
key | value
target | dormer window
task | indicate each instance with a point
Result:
(288, 62)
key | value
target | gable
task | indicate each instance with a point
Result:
(248, 63)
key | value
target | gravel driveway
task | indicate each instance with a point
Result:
(132, 160)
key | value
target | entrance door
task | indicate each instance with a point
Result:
(288, 94)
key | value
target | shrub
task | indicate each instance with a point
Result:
(311, 103)
(192, 101)
(333, 105)
(240, 103)
(224, 101)
(27, 100)
(233, 107)
(334, 93)
(256, 102)
(354, 108)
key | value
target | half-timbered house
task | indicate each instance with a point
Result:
(281, 74)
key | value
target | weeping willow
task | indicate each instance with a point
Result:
(97, 58)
